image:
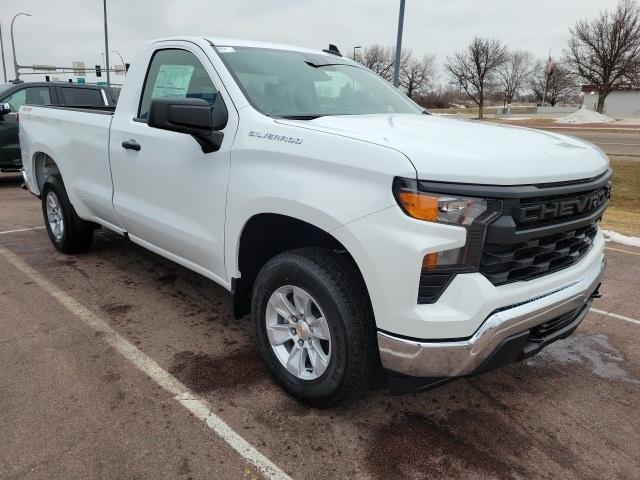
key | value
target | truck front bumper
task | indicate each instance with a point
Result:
(507, 335)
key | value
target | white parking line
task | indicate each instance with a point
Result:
(199, 407)
(615, 315)
(21, 230)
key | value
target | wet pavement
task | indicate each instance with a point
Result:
(72, 407)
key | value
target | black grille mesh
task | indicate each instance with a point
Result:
(539, 256)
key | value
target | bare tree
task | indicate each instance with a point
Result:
(558, 83)
(605, 51)
(380, 59)
(417, 74)
(438, 97)
(513, 73)
(474, 69)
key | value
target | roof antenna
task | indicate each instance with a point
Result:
(333, 50)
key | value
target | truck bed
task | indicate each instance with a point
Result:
(78, 138)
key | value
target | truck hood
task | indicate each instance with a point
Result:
(467, 151)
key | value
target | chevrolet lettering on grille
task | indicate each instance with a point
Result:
(584, 205)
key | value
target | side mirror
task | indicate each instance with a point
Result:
(192, 116)
(5, 109)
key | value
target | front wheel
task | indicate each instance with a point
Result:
(68, 232)
(313, 326)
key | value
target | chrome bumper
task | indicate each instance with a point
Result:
(463, 357)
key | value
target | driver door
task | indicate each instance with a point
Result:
(169, 195)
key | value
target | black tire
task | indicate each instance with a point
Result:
(339, 291)
(77, 234)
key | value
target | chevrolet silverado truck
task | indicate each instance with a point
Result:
(361, 233)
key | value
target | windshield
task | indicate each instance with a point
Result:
(284, 83)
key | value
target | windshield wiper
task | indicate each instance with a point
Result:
(300, 117)
(320, 65)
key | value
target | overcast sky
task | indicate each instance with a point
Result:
(61, 31)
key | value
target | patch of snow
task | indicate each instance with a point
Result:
(584, 115)
(611, 236)
(592, 351)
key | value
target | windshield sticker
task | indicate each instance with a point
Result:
(225, 49)
(172, 81)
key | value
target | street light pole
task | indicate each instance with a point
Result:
(121, 59)
(4, 66)
(13, 43)
(396, 65)
(106, 43)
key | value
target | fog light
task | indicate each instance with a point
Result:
(446, 258)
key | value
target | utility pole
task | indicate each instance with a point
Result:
(4, 66)
(106, 44)
(13, 43)
(396, 64)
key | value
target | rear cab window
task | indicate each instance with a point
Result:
(74, 96)
(175, 73)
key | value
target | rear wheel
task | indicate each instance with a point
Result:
(68, 232)
(313, 326)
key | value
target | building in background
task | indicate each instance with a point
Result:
(622, 102)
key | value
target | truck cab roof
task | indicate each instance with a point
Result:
(237, 42)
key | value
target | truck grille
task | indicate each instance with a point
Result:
(527, 231)
(542, 234)
(556, 209)
(536, 257)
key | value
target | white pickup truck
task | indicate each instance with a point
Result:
(359, 231)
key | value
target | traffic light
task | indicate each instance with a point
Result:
(98, 71)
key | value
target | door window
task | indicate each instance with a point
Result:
(175, 73)
(29, 96)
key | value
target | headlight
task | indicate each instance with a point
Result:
(471, 213)
(441, 209)
(434, 207)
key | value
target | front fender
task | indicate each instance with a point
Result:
(323, 179)
(269, 205)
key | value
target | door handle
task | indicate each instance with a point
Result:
(131, 145)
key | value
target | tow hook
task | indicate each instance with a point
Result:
(596, 293)
(24, 185)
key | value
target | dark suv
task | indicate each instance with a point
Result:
(14, 95)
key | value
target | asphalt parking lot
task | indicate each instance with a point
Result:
(120, 364)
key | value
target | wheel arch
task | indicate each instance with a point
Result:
(43, 165)
(266, 235)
